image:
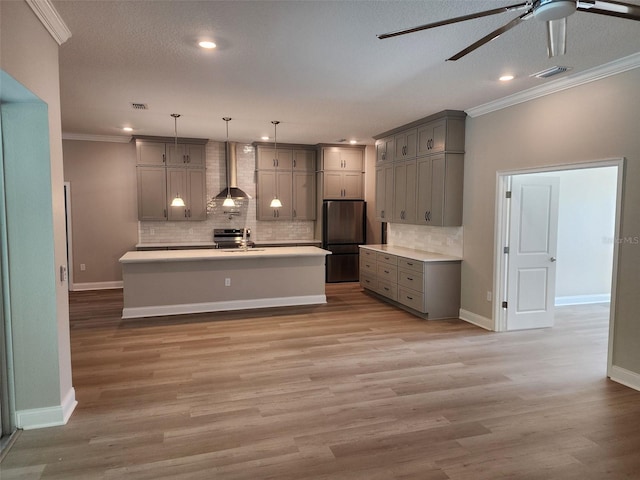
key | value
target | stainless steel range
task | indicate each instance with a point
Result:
(232, 237)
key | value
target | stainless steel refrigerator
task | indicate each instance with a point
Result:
(343, 229)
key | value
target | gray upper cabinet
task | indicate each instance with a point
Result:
(384, 192)
(428, 171)
(162, 171)
(342, 173)
(291, 174)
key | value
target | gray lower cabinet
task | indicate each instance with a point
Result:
(427, 288)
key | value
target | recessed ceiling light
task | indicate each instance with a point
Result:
(353, 142)
(127, 129)
(207, 44)
(506, 78)
(265, 138)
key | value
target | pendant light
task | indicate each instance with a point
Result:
(275, 203)
(228, 201)
(177, 200)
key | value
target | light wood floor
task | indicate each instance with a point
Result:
(354, 389)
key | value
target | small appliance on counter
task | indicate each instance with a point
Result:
(343, 229)
(232, 237)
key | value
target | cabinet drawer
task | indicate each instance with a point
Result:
(411, 299)
(367, 280)
(388, 289)
(387, 272)
(411, 279)
(370, 254)
(386, 258)
(369, 266)
(410, 264)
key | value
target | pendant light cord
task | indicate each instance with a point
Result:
(227, 152)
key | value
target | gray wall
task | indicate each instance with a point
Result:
(595, 121)
(102, 178)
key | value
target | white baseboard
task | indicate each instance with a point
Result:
(47, 416)
(625, 377)
(478, 320)
(162, 310)
(79, 287)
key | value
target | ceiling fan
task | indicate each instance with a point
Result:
(554, 12)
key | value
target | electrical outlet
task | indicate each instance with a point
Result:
(227, 282)
(489, 296)
(83, 267)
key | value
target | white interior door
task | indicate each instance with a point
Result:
(533, 233)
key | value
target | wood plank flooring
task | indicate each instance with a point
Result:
(354, 389)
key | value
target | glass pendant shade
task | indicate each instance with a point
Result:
(178, 202)
(275, 203)
(228, 202)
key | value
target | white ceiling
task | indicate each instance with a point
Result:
(316, 66)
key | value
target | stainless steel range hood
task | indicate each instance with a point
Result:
(231, 163)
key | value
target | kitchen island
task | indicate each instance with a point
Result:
(172, 282)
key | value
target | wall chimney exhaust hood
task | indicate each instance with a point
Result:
(231, 162)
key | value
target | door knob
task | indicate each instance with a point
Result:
(552, 259)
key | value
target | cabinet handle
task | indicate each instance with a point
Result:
(188, 159)
(165, 213)
(185, 213)
(294, 213)
(164, 158)
(294, 163)
(409, 298)
(410, 264)
(427, 216)
(386, 271)
(410, 279)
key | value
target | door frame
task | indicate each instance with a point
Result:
(69, 232)
(502, 212)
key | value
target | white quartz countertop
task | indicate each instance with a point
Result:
(220, 254)
(419, 255)
(288, 242)
(176, 245)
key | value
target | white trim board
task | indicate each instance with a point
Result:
(163, 310)
(583, 299)
(625, 377)
(96, 138)
(81, 287)
(608, 69)
(477, 320)
(47, 416)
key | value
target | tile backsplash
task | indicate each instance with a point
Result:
(222, 217)
(444, 240)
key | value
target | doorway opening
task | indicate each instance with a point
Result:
(588, 226)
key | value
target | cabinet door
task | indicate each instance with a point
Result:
(384, 192)
(177, 186)
(197, 203)
(385, 150)
(195, 155)
(404, 199)
(431, 137)
(440, 183)
(270, 182)
(268, 159)
(150, 153)
(304, 160)
(352, 186)
(152, 193)
(176, 154)
(332, 188)
(304, 196)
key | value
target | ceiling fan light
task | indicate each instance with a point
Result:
(546, 10)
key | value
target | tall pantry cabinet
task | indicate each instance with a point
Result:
(427, 171)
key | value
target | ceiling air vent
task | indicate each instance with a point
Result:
(550, 72)
(139, 106)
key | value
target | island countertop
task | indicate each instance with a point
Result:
(220, 254)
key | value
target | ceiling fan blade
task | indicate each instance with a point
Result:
(495, 34)
(557, 37)
(610, 8)
(441, 23)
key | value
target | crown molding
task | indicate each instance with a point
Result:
(51, 19)
(96, 138)
(597, 73)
